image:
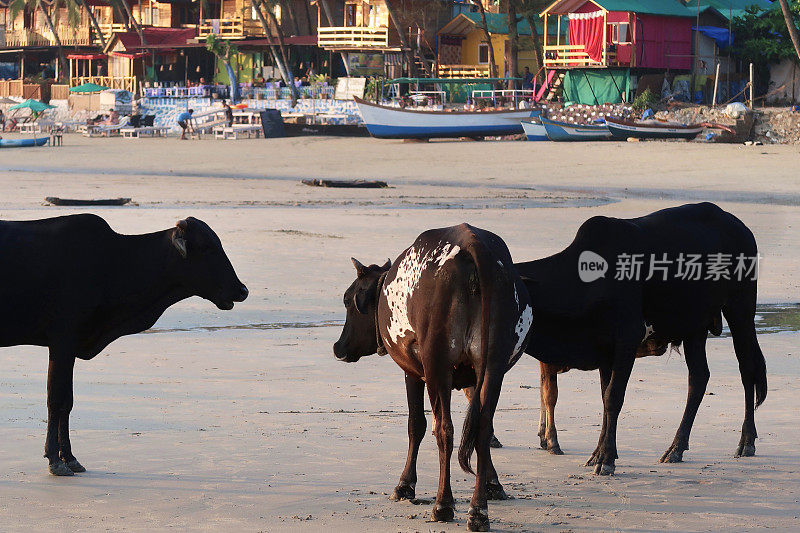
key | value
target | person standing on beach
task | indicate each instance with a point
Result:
(183, 122)
(228, 112)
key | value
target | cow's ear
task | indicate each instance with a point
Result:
(360, 269)
(362, 300)
(388, 265)
(179, 242)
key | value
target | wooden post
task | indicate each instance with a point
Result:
(716, 84)
(605, 38)
(752, 90)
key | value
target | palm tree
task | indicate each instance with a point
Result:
(269, 22)
(401, 32)
(122, 6)
(787, 15)
(492, 65)
(93, 22)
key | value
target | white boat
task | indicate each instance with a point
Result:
(394, 123)
(534, 130)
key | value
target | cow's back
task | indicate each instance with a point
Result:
(50, 268)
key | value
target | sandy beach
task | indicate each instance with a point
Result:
(244, 421)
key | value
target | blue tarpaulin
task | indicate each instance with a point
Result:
(720, 35)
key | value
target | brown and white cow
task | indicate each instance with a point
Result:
(453, 313)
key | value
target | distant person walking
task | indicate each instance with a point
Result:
(228, 112)
(2, 121)
(183, 122)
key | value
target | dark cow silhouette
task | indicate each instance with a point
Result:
(607, 322)
(452, 313)
(74, 285)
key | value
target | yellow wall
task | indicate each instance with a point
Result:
(469, 52)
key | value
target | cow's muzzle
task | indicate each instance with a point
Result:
(342, 355)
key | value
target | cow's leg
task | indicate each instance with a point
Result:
(612, 405)
(415, 393)
(605, 378)
(59, 404)
(439, 392)
(494, 442)
(739, 312)
(548, 437)
(478, 516)
(695, 350)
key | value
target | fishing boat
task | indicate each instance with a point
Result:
(15, 143)
(534, 129)
(386, 122)
(652, 129)
(564, 131)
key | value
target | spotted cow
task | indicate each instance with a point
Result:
(452, 312)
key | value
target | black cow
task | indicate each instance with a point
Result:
(453, 313)
(607, 322)
(74, 285)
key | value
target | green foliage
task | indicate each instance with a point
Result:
(644, 100)
(761, 37)
(374, 85)
(221, 48)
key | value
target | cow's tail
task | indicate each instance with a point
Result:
(485, 267)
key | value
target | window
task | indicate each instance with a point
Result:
(483, 53)
(350, 15)
(618, 32)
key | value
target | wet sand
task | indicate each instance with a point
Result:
(243, 420)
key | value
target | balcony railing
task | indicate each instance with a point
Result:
(353, 38)
(574, 55)
(230, 28)
(107, 30)
(44, 37)
(127, 83)
(464, 71)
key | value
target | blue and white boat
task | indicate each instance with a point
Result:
(563, 131)
(534, 129)
(16, 143)
(394, 123)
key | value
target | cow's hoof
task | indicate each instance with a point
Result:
(604, 469)
(60, 469)
(478, 519)
(494, 443)
(495, 491)
(555, 449)
(592, 460)
(746, 450)
(443, 513)
(75, 466)
(543, 443)
(674, 454)
(403, 492)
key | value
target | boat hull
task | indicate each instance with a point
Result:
(534, 131)
(390, 123)
(17, 143)
(562, 131)
(622, 130)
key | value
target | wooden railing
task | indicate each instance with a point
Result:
(352, 37)
(464, 71)
(11, 88)
(20, 89)
(127, 83)
(59, 92)
(44, 37)
(574, 55)
(230, 28)
(107, 30)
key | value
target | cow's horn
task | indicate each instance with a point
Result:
(359, 267)
(388, 264)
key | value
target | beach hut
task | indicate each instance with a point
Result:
(644, 34)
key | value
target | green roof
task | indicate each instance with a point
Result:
(737, 8)
(498, 23)
(671, 8)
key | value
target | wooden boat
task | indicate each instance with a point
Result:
(76, 202)
(563, 131)
(653, 129)
(534, 130)
(394, 123)
(16, 143)
(333, 130)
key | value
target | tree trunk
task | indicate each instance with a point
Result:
(286, 69)
(326, 8)
(787, 14)
(94, 24)
(307, 13)
(281, 67)
(133, 22)
(537, 43)
(488, 36)
(288, 9)
(403, 41)
(62, 60)
(513, 44)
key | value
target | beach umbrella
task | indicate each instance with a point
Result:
(88, 88)
(34, 105)
(7, 101)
